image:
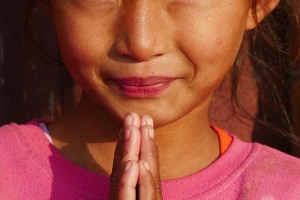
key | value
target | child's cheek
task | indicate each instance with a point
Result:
(84, 38)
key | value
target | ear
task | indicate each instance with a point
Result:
(262, 9)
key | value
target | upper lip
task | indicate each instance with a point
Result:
(140, 82)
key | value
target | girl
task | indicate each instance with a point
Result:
(157, 63)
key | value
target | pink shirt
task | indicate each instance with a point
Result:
(32, 168)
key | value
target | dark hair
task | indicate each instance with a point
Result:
(30, 41)
(273, 49)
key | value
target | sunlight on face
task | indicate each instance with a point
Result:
(164, 58)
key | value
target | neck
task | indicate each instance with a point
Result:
(187, 145)
(87, 136)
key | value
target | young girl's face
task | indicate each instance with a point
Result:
(160, 57)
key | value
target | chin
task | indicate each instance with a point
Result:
(162, 116)
(162, 111)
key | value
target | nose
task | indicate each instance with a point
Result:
(142, 32)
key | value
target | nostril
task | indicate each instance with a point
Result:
(125, 56)
(138, 58)
(130, 58)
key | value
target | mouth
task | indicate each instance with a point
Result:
(135, 87)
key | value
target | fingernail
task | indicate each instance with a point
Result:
(149, 121)
(146, 165)
(128, 166)
(128, 119)
(151, 133)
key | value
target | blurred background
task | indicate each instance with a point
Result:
(34, 84)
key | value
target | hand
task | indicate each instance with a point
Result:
(135, 172)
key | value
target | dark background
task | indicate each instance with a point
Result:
(34, 85)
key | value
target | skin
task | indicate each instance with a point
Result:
(193, 41)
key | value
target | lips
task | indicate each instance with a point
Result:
(143, 87)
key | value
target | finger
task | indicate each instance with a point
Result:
(127, 149)
(146, 120)
(147, 187)
(132, 119)
(149, 150)
(127, 183)
(129, 140)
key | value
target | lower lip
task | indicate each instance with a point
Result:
(144, 91)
